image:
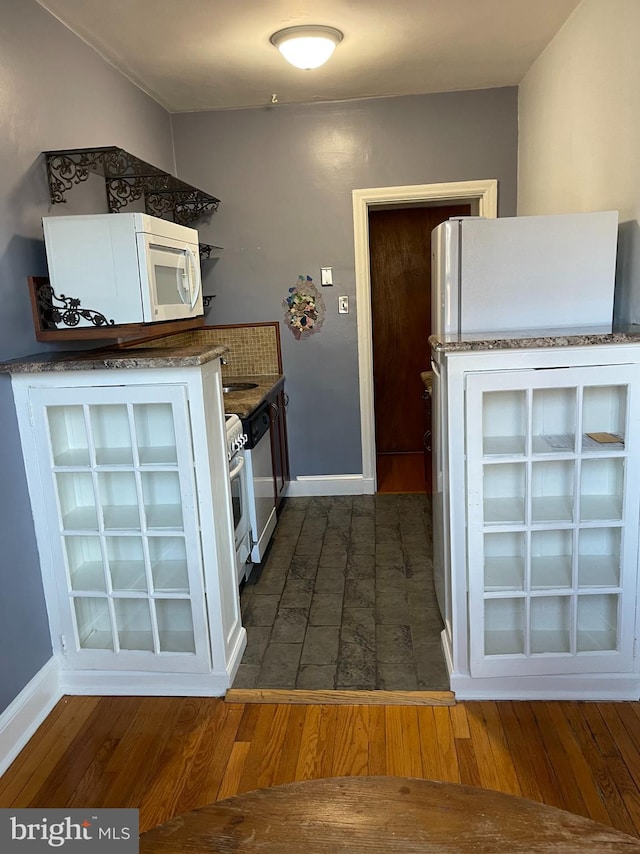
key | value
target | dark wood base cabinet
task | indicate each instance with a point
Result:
(278, 401)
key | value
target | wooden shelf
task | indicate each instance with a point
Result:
(42, 308)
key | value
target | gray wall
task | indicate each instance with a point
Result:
(54, 93)
(285, 176)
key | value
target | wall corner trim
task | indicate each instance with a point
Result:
(27, 711)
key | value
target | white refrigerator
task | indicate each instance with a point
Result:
(509, 275)
(523, 272)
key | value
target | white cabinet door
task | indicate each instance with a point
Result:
(121, 539)
(552, 510)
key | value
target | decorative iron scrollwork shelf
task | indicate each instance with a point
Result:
(209, 252)
(127, 179)
(54, 310)
(57, 317)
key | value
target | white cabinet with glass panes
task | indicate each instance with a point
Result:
(545, 505)
(131, 504)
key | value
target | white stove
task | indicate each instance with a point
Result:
(236, 437)
(236, 440)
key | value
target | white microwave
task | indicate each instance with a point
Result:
(124, 267)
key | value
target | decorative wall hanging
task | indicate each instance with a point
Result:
(304, 308)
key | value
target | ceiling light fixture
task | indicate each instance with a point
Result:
(306, 47)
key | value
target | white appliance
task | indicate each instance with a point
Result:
(236, 440)
(523, 272)
(260, 480)
(512, 274)
(124, 267)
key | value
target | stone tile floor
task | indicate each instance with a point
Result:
(345, 599)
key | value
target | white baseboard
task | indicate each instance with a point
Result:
(110, 683)
(113, 683)
(330, 484)
(27, 711)
(595, 687)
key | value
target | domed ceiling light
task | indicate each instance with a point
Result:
(306, 47)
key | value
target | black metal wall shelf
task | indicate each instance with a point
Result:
(127, 179)
(209, 252)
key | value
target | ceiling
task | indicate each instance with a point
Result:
(215, 54)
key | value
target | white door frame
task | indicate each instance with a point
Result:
(483, 196)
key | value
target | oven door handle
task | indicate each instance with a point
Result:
(237, 468)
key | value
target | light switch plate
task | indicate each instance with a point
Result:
(343, 305)
(326, 276)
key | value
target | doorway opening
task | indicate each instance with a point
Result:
(400, 269)
(481, 196)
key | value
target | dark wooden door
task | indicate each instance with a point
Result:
(400, 257)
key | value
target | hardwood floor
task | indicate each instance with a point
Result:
(169, 755)
(401, 473)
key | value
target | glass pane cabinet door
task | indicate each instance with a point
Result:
(552, 474)
(118, 470)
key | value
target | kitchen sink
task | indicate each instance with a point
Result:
(239, 387)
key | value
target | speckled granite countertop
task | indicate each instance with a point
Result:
(242, 403)
(186, 355)
(532, 339)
